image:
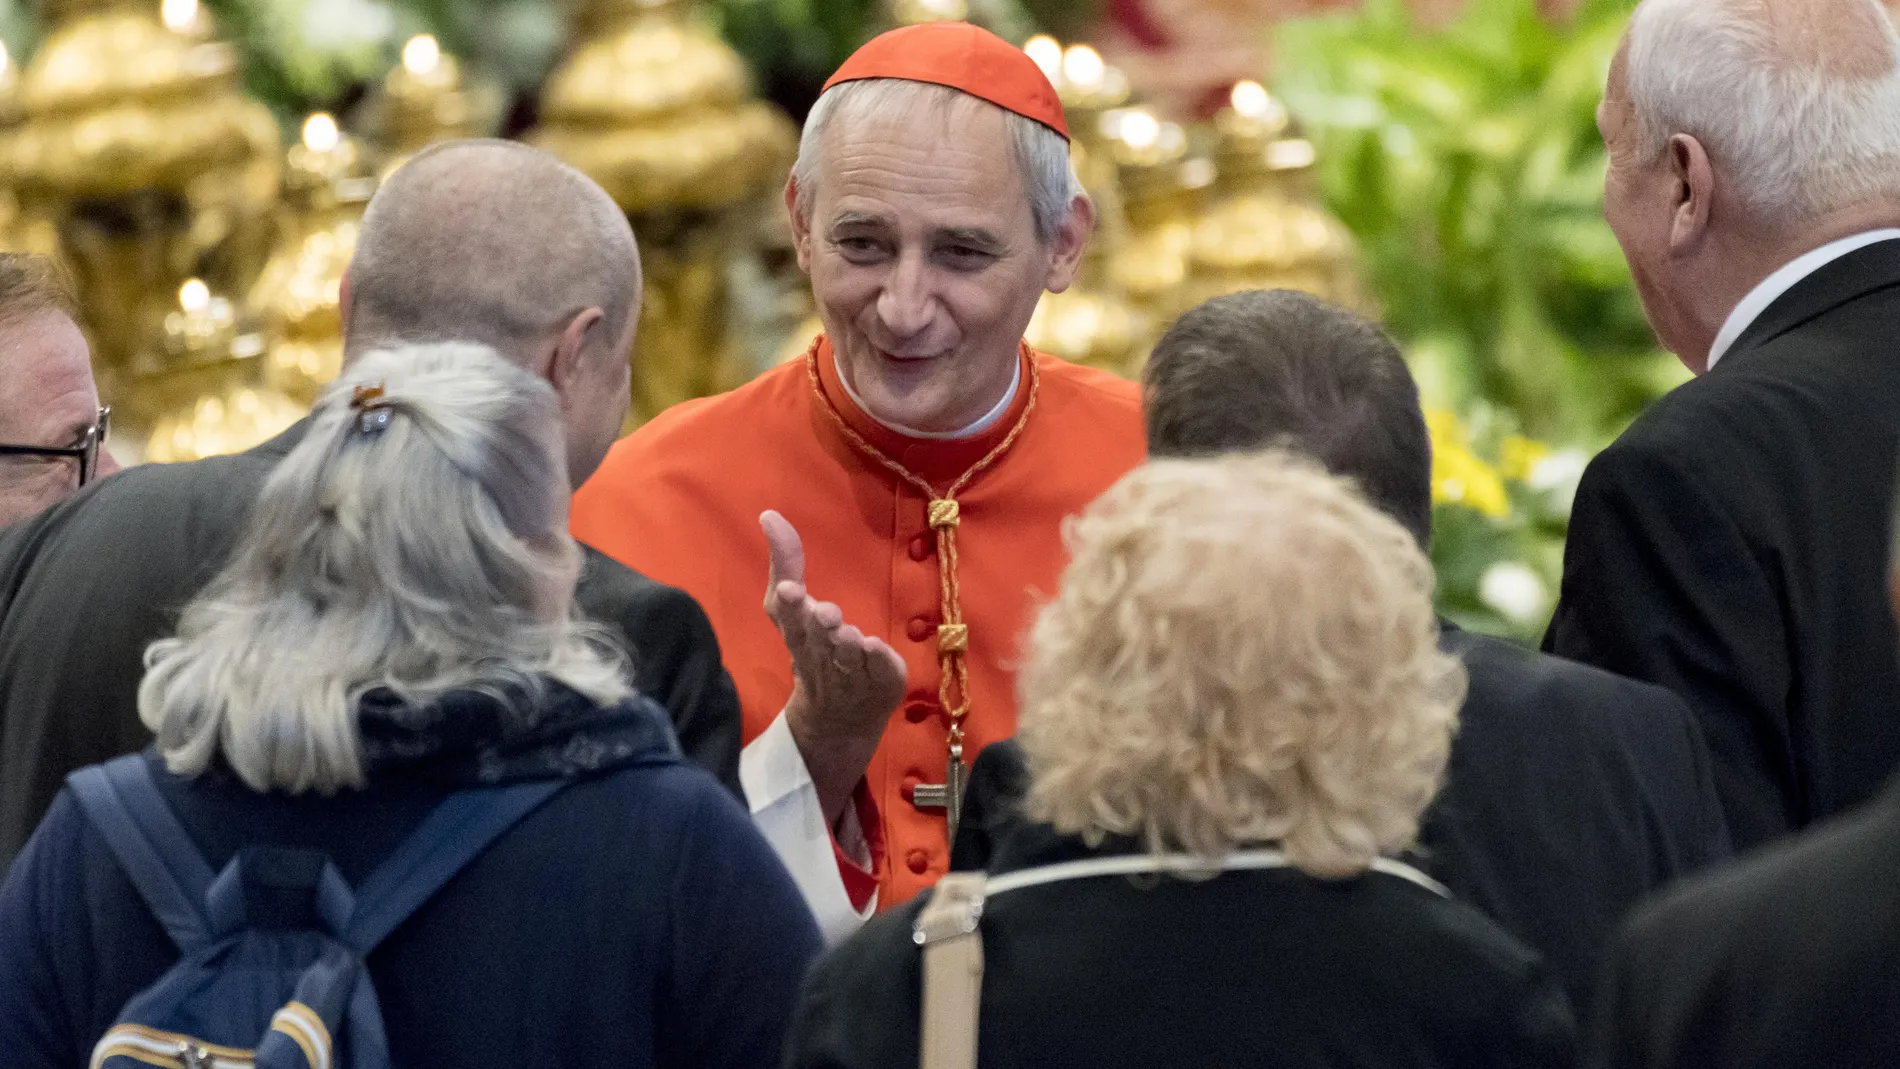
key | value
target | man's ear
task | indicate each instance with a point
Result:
(1072, 240)
(1692, 185)
(801, 227)
(564, 362)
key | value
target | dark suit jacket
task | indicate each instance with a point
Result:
(88, 584)
(1732, 546)
(1570, 795)
(1787, 958)
(1263, 968)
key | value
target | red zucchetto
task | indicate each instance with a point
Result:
(966, 58)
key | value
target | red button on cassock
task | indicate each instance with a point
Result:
(921, 628)
(918, 712)
(920, 547)
(917, 861)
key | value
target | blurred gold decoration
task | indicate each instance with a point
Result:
(21, 228)
(1266, 229)
(424, 99)
(770, 295)
(657, 109)
(212, 395)
(139, 148)
(917, 12)
(1090, 323)
(296, 299)
(800, 339)
(1164, 191)
(1091, 91)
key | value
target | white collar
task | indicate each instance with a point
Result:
(983, 423)
(1771, 288)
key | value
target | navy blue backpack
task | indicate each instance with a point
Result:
(272, 969)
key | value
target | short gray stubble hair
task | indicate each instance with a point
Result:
(1042, 155)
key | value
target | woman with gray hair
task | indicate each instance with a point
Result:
(1234, 712)
(391, 672)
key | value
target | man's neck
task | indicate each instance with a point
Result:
(1746, 261)
(970, 429)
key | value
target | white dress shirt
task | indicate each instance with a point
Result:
(1771, 288)
(782, 797)
(785, 809)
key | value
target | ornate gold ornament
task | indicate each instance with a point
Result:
(657, 109)
(1266, 229)
(140, 151)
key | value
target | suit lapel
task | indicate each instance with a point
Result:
(1863, 271)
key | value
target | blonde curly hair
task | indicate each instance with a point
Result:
(1243, 651)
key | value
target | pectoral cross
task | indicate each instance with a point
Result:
(948, 795)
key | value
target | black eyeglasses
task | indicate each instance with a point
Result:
(87, 451)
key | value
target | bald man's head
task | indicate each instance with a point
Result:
(489, 241)
(498, 243)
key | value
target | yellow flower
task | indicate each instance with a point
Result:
(1445, 429)
(1518, 457)
(1459, 476)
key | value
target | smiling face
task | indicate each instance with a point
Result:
(924, 260)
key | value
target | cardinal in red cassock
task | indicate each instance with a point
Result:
(869, 527)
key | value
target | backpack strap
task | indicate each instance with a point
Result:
(947, 929)
(122, 801)
(450, 837)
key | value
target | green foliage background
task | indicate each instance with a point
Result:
(1464, 157)
(1466, 160)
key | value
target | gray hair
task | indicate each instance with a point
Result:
(1802, 114)
(418, 558)
(1042, 156)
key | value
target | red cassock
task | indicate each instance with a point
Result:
(679, 500)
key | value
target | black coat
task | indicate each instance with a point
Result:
(1570, 795)
(1732, 546)
(88, 584)
(1790, 957)
(1261, 968)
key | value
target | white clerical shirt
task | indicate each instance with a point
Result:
(1771, 288)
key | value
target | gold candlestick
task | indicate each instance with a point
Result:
(296, 299)
(425, 99)
(1267, 229)
(213, 395)
(654, 107)
(1164, 192)
(1090, 322)
(152, 167)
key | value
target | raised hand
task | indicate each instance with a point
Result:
(845, 684)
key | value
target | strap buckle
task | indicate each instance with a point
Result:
(955, 909)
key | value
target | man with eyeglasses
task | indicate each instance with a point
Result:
(52, 427)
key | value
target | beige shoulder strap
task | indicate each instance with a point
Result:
(947, 929)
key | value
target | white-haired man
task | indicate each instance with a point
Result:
(925, 454)
(1730, 544)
